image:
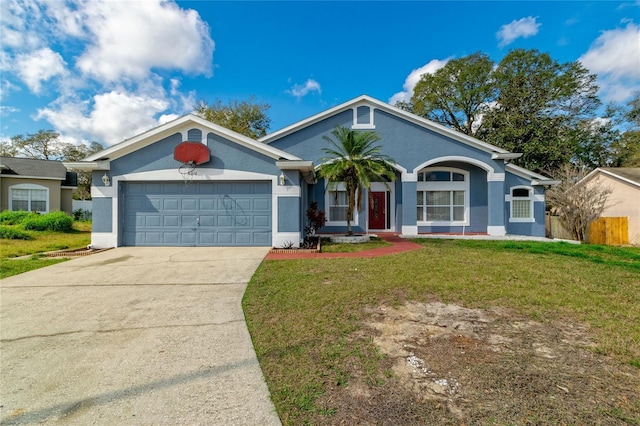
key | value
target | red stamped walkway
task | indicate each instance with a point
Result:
(399, 245)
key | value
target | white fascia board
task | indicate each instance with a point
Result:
(129, 145)
(524, 173)
(364, 99)
(310, 120)
(546, 182)
(303, 166)
(506, 155)
(177, 126)
(613, 175)
(31, 177)
(87, 165)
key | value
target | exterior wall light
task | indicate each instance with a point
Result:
(105, 180)
(281, 178)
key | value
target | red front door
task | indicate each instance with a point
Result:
(378, 210)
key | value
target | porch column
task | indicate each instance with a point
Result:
(409, 208)
(495, 205)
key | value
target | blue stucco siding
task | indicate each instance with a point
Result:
(224, 155)
(157, 156)
(229, 155)
(409, 203)
(102, 215)
(536, 228)
(289, 214)
(411, 145)
(478, 196)
(307, 143)
(408, 144)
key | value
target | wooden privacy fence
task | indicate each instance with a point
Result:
(555, 229)
(609, 231)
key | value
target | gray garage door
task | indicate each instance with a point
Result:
(198, 214)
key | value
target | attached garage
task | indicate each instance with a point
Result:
(201, 213)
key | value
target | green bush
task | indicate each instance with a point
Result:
(56, 221)
(7, 233)
(9, 217)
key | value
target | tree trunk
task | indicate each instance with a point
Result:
(351, 203)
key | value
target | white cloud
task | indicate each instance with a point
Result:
(35, 67)
(16, 18)
(615, 57)
(7, 87)
(615, 52)
(6, 110)
(110, 117)
(100, 58)
(300, 90)
(165, 118)
(413, 79)
(131, 38)
(522, 28)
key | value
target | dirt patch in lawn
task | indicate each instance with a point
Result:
(447, 364)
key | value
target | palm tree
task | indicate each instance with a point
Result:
(354, 159)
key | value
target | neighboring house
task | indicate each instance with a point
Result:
(624, 200)
(36, 185)
(256, 192)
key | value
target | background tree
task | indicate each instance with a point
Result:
(457, 95)
(246, 117)
(71, 152)
(575, 201)
(626, 149)
(540, 107)
(46, 145)
(8, 149)
(354, 158)
(528, 103)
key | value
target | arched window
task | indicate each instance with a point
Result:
(443, 196)
(194, 135)
(363, 118)
(29, 197)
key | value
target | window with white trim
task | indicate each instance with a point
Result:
(336, 204)
(443, 197)
(363, 117)
(29, 197)
(521, 200)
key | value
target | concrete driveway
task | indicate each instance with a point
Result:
(132, 336)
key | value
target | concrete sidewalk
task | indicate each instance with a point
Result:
(133, 336)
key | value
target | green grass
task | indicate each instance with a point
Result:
(39, 242)
(10, 267)
(374, 243)
(301, 312)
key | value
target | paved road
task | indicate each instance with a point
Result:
(132, 336)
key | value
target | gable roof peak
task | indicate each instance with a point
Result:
(171, 127)
(390, 109)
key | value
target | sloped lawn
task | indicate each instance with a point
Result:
(459, 332)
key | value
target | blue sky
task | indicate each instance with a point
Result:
(109, 70)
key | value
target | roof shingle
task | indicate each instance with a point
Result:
(31, 167)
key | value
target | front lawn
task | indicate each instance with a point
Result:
(38, 242)
(555, 335)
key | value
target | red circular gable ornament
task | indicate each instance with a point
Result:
(192, 152)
